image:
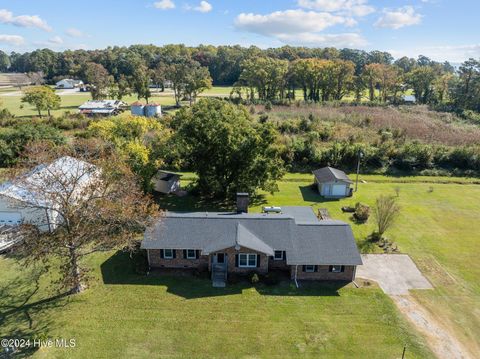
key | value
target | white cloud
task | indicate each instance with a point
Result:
(15, 40)
(301, 27)
(452, 53)
(396, 19)
(164, 4)
(204, 7)
(56, 40)
(287, 22)
(72, 32)
(352, 7)
(6, 17)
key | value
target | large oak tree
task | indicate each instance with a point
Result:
(228, 150)
(96, 200)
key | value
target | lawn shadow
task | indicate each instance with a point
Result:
(17, 311)
(194, 203)
(119, 269)
(310, 194)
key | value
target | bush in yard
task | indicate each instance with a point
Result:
(255, 279)
(362, 212)
(386, 211)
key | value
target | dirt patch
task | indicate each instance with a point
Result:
(441, 340)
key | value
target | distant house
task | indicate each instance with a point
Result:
(166, 182)
(332, 183)
(69, 84)
(294, 241)
(20, 203)
(149, 110)
(102, 107)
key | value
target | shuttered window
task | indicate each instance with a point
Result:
(247, 260)
(168, 253)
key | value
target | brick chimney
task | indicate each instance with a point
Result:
(242, 202)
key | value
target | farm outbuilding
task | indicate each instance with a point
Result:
(102, 107)
(166, 182)
(20, 202)
(332, 183)
(68, 84)
(149, 110)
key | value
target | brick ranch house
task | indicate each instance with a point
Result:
(294, 240)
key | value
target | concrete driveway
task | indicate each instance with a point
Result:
(395, 273)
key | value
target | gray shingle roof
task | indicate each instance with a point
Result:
(296, 231)
(329, 174)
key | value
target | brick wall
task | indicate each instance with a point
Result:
(282, 265)
(178, 262)
(323, 274)
(231, 252)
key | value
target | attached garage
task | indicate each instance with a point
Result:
(10, 218)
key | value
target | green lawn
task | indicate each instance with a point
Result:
(438, 227)
(69, 103)
(128, 315)
(124, 314)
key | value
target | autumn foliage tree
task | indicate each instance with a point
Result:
(95, 201)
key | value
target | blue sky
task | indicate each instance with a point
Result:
(440, 29)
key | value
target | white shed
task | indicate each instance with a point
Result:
(166, 182)
(332, 183)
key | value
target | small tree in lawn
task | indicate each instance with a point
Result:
(94, 204)
(43, 98)
(386, 211)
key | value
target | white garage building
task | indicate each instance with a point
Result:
(22, 203)
(332, 183)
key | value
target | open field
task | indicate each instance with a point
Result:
(10, 99)
(128, 315)
(438, 227)
(367, 123)
(69, 103)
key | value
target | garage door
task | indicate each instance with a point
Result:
(338, 190)
(10, 218)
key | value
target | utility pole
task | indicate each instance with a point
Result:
(360, 155)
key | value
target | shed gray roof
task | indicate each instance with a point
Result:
(297, 231)
(329, 174)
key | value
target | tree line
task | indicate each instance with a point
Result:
(322, 74)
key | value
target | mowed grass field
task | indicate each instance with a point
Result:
(69, 103)
(438, 227)
(124, 314)
(10, 99)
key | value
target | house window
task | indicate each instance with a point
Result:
(336, 269)
(191, 254)
(168, 253)
(247, 260)
(278, 256)
(309, 268)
